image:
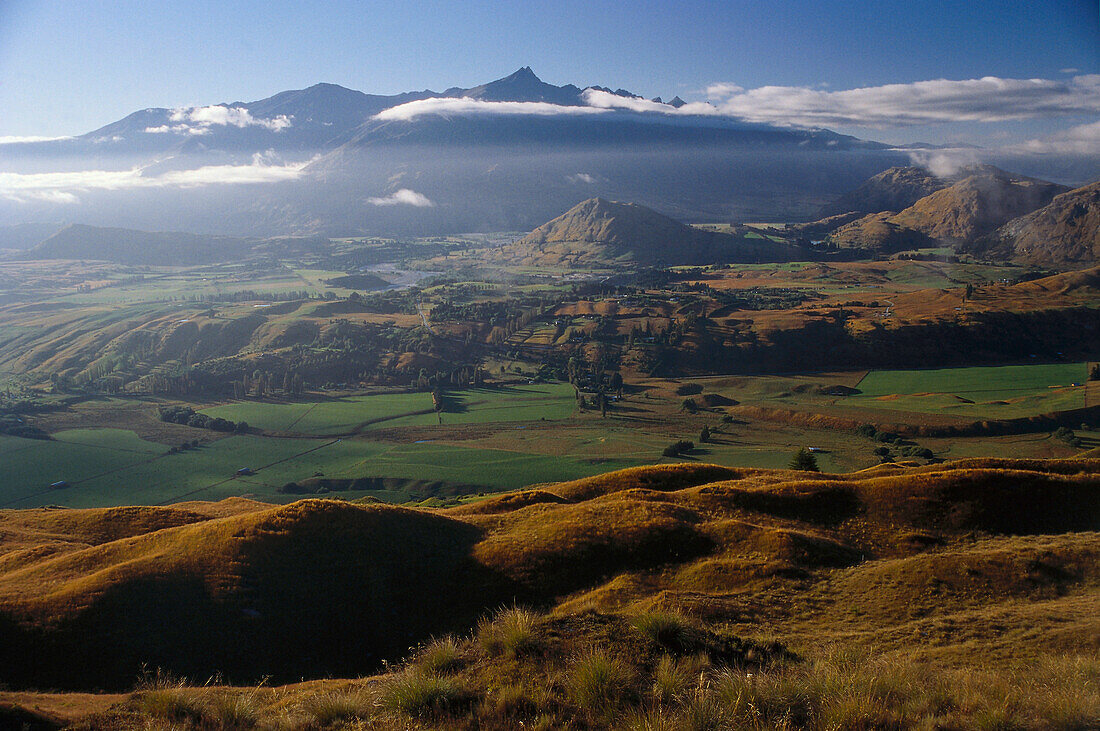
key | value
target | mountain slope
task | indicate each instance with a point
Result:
(598, 231)
(126, 246)
(986, 198)
(891, 190)
(1065, 231)
(981, 199)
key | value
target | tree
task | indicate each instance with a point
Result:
(1094, 374)
(704, 435)
(804, 460)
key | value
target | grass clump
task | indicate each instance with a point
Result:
(440, 657)
(668, 630)
(675, 678)
(241, 711)
(512, 632)
(326, 709)
(164, 696)
(598, 682)
(416, 693)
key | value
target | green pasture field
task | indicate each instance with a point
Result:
(331, 417)
(114, 467)
(528, 402)
(163, 283)
(932, 275)
(997, 391)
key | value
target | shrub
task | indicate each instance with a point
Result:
(1066, 435)
(677, 448)
(804, 460)
(866, 430)
(689, 405)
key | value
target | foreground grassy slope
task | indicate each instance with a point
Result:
(883, 557)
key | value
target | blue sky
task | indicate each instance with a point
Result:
(69, 67)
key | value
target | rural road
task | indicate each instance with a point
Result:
(420, 309)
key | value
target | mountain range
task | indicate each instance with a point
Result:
(981, 210)
(505, 155)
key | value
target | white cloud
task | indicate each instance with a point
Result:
(180, 129)
(989, 99)
(18, 140)
(607, 100)
(465, 106)
(938, 101)
(1080, 140)
(944, 163)
(403, 197)
(723, 89)
(64, 187)
(580, 178)
(200, 120)
(1070, 70)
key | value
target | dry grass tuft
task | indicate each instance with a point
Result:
(163, 696)
(328, 708)
(668, 630)
(440, 656)
(235, 712)
(674, 679)
(415, 693)
(511, 632)
(599, 682)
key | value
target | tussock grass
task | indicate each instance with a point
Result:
(172, 704)
(599, 682)
(674, 679)
(666, 629)
(241, 711)
(440, 656)
(165, 697)
(332, 707)
(419, 694)
(512, 632)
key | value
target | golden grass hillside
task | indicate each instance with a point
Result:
(989, 558)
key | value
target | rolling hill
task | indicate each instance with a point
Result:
(598, 231)
(86, 596)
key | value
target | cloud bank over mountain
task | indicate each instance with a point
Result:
(65, 187)
(989, 99)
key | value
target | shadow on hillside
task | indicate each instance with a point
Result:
(315, 589)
